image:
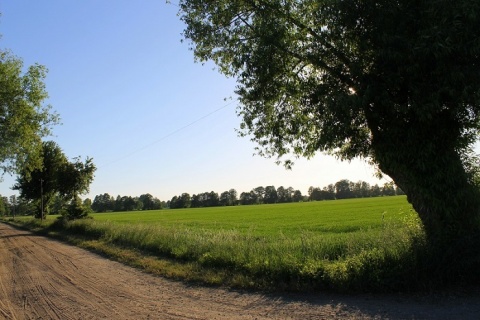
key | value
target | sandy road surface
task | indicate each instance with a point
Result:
(45, 279)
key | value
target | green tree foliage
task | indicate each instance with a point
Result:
(247, 198)
(40, 185)
(21, 207)
(270, 195)
(57, 178)
(316, 194)
(344, 189)
(225, 198)
(182, 201)
(297, 196)
(228, 198)
(283, 195)
(388, 189)
(24, 119)
(15, 206)
(149, 202)
(75, 177)
(395, 82)
(127, 203)
(362, 189)
(76, 210)
(3, 206)
(267, 195)
(87, 203)
(258, 194)
(233, 197)
(103, 203)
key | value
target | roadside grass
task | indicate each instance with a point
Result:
(350, 245)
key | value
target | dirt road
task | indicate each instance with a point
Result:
(45, 279)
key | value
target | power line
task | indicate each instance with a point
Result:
(167, 135)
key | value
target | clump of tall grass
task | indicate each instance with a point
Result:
(369, 259)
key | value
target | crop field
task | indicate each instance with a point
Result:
(342, 244)
(320, 243)
(292, 219)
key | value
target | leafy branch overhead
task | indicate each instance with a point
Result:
(24, 118)
(395, 82)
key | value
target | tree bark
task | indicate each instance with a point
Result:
(424, 163)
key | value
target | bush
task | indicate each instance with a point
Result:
(75, 210)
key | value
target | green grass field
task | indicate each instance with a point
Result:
(324, 217)
(355, 244)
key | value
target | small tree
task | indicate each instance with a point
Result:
(76, 210)
(41, 185)
(57, 178)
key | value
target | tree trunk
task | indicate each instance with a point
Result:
(424, 163)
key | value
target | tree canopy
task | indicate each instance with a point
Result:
(57, 176)
(395, 82)
(24, 118)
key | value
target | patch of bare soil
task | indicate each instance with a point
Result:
(42, 278)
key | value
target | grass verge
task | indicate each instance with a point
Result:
(385, 259)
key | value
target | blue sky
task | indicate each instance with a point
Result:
(131, 97)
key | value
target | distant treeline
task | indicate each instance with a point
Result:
(343, 189)
(106, 203)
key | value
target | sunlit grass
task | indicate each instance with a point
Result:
(292, 218)
(333, 244)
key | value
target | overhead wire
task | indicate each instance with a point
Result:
(167, 135)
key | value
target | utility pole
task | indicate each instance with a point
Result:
(13, 199)
(41, 194)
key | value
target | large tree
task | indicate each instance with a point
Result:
(24, 117)
(394, 82)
